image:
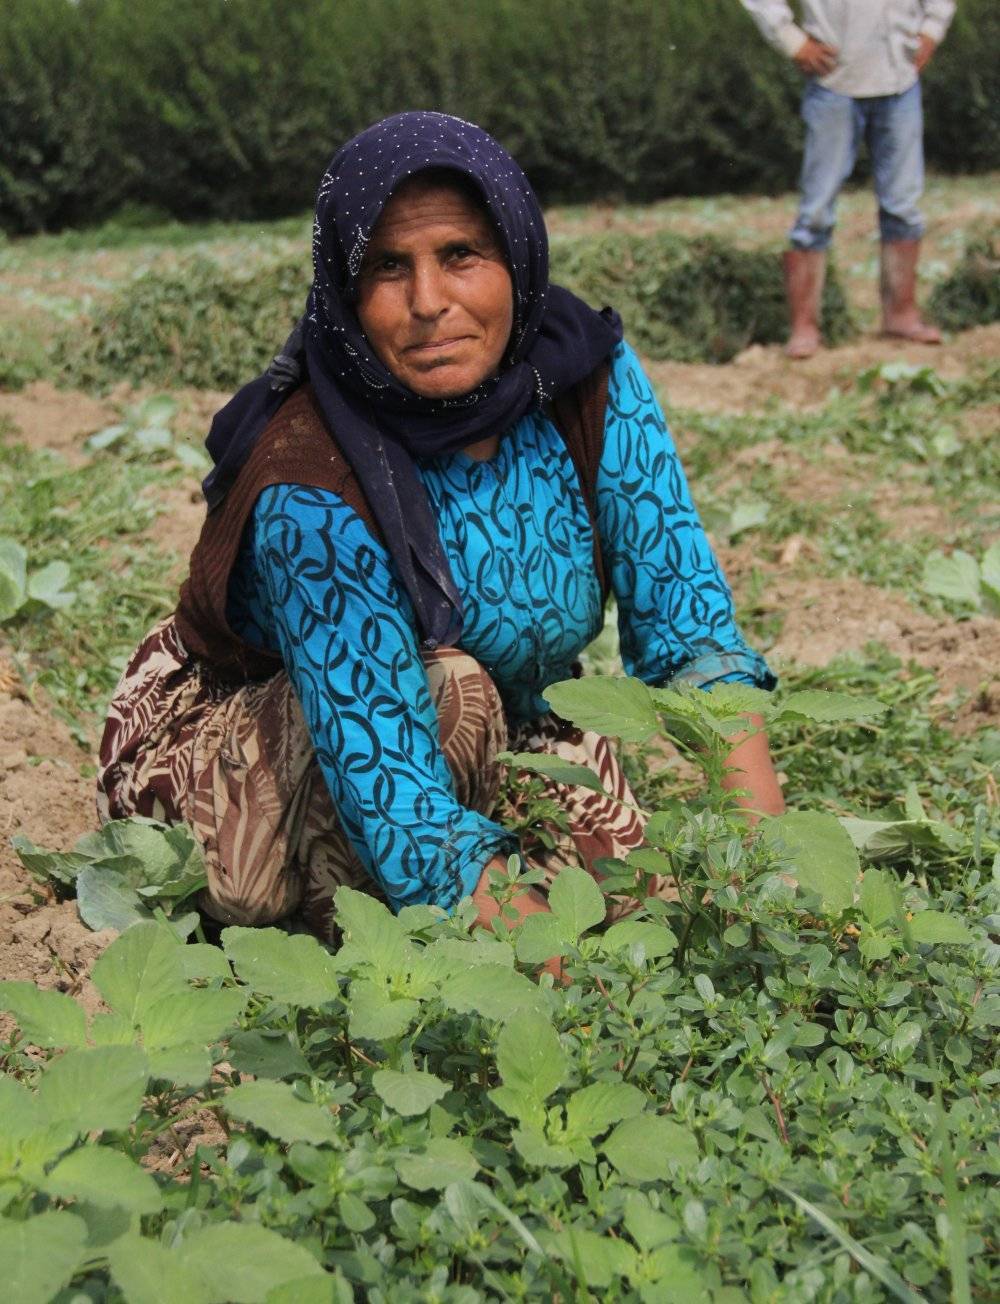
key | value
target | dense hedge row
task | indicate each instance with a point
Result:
(230, 108)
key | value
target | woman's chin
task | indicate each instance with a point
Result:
(445, 383)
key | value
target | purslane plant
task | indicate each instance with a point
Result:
(780, 1087)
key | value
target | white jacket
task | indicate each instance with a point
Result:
(876, 39)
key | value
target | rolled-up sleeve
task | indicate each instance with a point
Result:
(777, 24)
(344, 630)
(675, 609)
(937, 19)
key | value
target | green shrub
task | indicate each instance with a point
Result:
(690, 300)
(970, 296)
(199, 323)
(196, 323)
(56, 165)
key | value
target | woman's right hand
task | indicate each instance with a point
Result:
(814, 58)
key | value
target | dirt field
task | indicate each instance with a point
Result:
(46, 784)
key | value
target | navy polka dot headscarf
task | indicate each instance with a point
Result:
(379, 423)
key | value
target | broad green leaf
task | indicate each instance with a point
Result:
(182, 1066)
(105, 900)
(19, 1110)
(45, 1018)
(954, 577)
(105, 438)
(375, 1015)
(267, 1053)
(647, 1226)
(828, 708)
(608, 705)
(747, 516)
(491, 990)
(886, 841)
(576, 901)
(823, 857)
(409, 1093)
(48, 586)
(199, 960)
(529, 1055)
(538, 1151)
(241, 1263)
(106, 1178)
(541, 937)
(95, 1090)
(655, 939)
(40, 1255)
(527, 1109)
(152, 439)
(274, 1108)
(157, 410)
(373, 935)
(13, 577)
(989, 575)
(878, 900)
(444, 1160)
(105, 1223)
(676, 1269)
(354, 1213)
(48, 866)
(934, 926)
(139, 968)
(553, 767)
(599, 1258)
(109, 1029)
(146, 1272)
(197, 1016)
(313, 1290)
(648, 1147)
(593, 1108)
(874, 946)
(292, 969)
(727, 701)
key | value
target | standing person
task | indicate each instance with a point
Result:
(863, 60)
(414, 519)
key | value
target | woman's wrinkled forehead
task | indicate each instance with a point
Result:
(365, 172)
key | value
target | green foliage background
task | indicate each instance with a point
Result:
(204, 323)
(230, 108)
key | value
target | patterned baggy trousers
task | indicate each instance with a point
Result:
(237, 765)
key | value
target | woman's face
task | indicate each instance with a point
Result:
(435, 299)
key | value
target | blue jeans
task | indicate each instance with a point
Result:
(892, 127)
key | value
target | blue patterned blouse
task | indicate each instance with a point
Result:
(312, 584)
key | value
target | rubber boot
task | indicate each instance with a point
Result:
(805, 270)
(900, 317)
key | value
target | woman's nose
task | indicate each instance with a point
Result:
(428, 296)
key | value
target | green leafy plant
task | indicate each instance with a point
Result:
(20, 591)
(970, 296)
(145, 429)
(963, 582)
(131, 870)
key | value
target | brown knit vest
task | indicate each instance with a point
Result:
(296, 447)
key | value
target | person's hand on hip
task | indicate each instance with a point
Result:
(816, 59)
(922, 55)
